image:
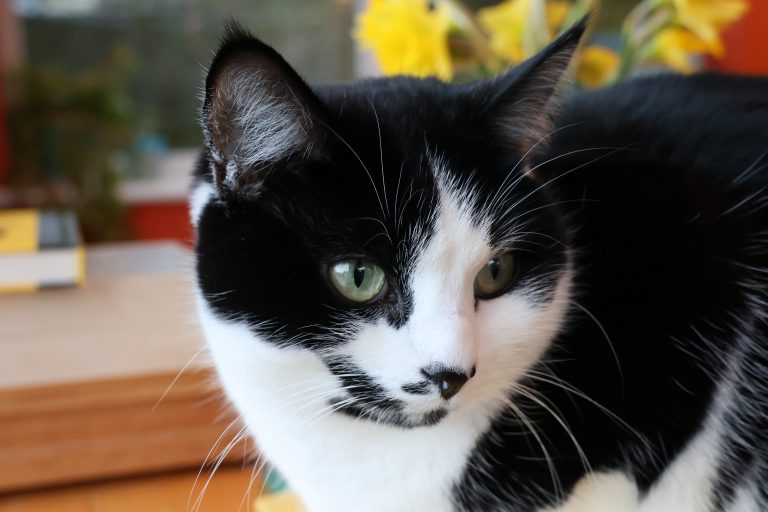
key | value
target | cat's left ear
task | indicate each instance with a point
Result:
(522, 103)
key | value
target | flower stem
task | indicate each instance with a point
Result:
(642, 23)
(476, 36)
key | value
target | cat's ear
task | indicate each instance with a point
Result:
(522, 105)
(257, 111)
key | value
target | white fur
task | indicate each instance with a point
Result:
(744, 501)
(602, 492)
(686, 486)
(273, 124)
(334, 462)
(201, 195)
(263, 122)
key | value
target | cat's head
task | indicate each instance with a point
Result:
(392, 231)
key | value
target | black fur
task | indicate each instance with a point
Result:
(669, 219)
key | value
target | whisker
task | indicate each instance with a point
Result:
(522, 159)
(177, 377)
(208, 455)
(373, 183)
(218, 461)
(557, 415)
(381, 154)
(607, 339)
(550, 463)
(550, 378)
(570, 171)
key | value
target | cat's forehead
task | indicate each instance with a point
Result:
(404, 113)
(390, 96)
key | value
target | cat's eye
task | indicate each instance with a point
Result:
(357, 279)
(495, 276)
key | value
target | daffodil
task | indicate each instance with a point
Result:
(597, 66)
(505, 24)
(675, 46)
(557, 12)
(407, 37)
(706, 18)
(510, 22)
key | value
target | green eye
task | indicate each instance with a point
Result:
(495, 276)
(358, 280)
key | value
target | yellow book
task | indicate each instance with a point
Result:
(39, 249)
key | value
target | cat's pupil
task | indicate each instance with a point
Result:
(359, 273)
(494, 266)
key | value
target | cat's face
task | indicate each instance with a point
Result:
(391, 230)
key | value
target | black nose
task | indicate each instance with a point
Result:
(449, 382)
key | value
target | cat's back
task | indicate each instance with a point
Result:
(710, 123)
(673, 171)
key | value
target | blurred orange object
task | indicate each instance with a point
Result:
(746, 43)
(161, 221)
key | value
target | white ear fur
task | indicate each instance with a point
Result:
(253, 118)
(257, 112)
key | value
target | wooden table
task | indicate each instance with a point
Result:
(231, 489)
(91, 380)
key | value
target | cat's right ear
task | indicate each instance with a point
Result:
(521, 104)
(257, 112)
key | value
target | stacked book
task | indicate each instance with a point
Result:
(39, 249)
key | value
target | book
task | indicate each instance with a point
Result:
(39, 249)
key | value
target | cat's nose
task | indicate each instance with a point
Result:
(449, 382)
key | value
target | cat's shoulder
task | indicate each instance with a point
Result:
(678, 96)
(710, 123)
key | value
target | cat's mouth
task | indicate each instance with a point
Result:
(391, 412)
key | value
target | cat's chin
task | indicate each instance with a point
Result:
(388, 415)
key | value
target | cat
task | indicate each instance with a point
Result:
(462, 297)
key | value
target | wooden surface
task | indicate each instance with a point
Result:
(88, 376)
(95, 430)
(134, 316)
(228, 491)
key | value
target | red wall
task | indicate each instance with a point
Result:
(746, 43)
(161, 221)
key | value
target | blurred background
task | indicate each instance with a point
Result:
(100, 98)
(104, 381)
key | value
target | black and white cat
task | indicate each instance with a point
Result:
(422, 296)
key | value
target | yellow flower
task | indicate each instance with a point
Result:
(505, 24)
(706, 18)
(557, 11)
(508, 24)
(407, 37)
(597, 66)
(674, 46)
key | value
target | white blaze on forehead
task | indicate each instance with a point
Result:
(442, 283)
